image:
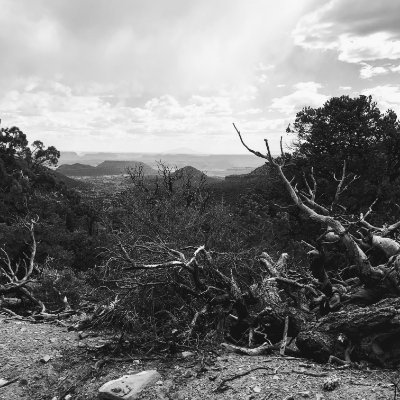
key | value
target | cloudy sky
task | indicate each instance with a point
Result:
(155, 75)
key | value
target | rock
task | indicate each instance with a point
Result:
(331, 383)
(3, 382)
(187, 354)
(306, 394)
(188, 374)
(45, 359)
(129, 386)
(256, 389)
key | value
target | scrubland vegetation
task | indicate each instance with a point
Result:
(178, 260)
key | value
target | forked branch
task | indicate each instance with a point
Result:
(365, 271)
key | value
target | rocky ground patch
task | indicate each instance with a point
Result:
(46, 361)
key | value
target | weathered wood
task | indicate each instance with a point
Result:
(373, 332)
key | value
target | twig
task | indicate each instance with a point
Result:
(315, 374)
(284, 339)
(6, 383)
(222, 385)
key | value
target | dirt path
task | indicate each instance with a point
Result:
(76, 369)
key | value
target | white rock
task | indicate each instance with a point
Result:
(187, 354)
(3, 382)
(45, 359)
(129, 386)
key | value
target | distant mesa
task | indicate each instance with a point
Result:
(189, 171)
(104, 168)
(193, 174)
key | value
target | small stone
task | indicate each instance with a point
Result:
(331, 383)
(45, 359)
(68, 397)
(187, 354)
(3, 382)
(159, 383)
(306, 394)
(187, 374)
(256, 389)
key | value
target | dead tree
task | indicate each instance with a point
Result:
(374, 282)
(15, 279)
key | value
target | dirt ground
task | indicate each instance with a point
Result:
(51, 363)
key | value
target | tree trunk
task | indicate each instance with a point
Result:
(371, 333)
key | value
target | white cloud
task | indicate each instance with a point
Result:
(358, 30)
(306, 94)
(345, 87)
(49, 110)
(376, 46)
(387, 96)
(368, 71)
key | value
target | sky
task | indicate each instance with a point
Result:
(159, 75)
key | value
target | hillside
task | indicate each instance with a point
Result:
(111, 167)
(76, 169)
(255, 174)
(104, 168)
(194, 174)
(69, 182)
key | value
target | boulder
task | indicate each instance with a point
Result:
(128, 387)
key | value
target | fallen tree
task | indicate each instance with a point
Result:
(348, 331)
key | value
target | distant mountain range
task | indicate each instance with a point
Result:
(105, 168)
(214, 165)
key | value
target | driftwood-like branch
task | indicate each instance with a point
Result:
(265, 348)
(365, 271)
(11, 273)
(341, 187)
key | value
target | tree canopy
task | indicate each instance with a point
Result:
(351, 129)
(22, 168)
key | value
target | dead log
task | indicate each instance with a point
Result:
(9, 302)
(372, 333)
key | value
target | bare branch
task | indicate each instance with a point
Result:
(340, 187)
(365, 271)
(257, 153)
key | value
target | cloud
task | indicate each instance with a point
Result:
(368, 71)
(306, 94)
(387, 96)
(358, 30)
(48, 110)
(175, 47)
